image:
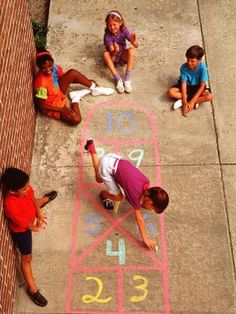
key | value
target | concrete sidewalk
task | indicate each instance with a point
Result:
(91, 261)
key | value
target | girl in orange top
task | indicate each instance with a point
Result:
(50, 87)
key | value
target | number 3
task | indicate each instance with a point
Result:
(140, 287)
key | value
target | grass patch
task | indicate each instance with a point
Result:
(40, 34)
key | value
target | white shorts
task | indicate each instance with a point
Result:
(107, 167)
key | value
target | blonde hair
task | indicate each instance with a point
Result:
(115, 16)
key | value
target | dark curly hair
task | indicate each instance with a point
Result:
(14, 179)
(42, 56)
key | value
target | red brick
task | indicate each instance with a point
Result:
(17, 117)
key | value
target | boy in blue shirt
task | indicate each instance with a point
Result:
(191, 89)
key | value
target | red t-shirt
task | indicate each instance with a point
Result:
(20, 211)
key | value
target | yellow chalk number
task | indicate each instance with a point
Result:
(89, 298)
(141, 287)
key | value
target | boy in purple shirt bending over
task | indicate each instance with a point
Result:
(116, 172)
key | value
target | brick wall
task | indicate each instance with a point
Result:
(17, 120)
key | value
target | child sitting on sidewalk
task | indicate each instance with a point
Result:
(51, 84)
(24, 215)
(114, 171)
(116, 34)
(191, 89)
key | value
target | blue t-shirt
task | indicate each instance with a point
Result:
(195, 77)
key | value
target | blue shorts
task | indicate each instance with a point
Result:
(23, 241)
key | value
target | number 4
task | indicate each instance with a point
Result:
(120, 253)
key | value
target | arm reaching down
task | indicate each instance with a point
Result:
(140, 222)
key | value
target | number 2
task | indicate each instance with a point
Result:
(89, 298)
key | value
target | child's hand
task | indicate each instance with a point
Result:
(116, 48)
(36, 228)
(133, 36)
(191, 105)
(133, 40)
(150, 244)
(186, 109)
(41, 215)
(41, 222)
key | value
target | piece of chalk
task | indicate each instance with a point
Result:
(156, 248)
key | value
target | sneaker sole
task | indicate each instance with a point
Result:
(73, 93)
(103, 94)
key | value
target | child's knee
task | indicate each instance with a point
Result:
(208, 96)
(106, 55)
(76, 120)
(170, 92)
(131, 51)
(72, 73)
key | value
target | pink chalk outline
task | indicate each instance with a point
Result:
(158, 265)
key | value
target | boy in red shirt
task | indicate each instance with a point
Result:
(24, 215)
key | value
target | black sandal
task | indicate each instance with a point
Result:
(38, 298)
(107, 203)
(51, 196)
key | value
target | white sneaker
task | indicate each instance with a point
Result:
(76, 95)
(128, 87)
(177, 104)
(99, 90)
(120, 87)
(196, 106)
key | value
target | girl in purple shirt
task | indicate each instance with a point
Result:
(116, 34)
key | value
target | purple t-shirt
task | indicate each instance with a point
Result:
(120, 39)
(132, 180)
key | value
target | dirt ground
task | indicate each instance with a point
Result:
(39, 10)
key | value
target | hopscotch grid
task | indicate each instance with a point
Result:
(113, 312)
(122, 141)
(163, 238)
(82, 268)
(120, 285)
(115, 224)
